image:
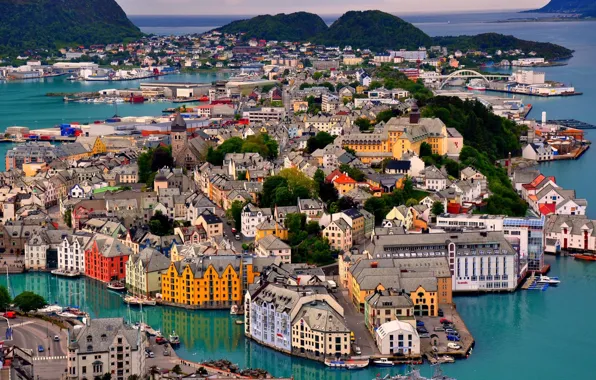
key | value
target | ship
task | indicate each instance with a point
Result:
(476, 85)
(414, 374)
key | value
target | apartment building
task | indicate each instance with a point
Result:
(143, 272)
(251, 217)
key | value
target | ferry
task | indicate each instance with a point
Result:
(584, 257)
(383, 362)
(174, 339)
(476, 85)
(66, 273)
(117, 286)
(346, 364)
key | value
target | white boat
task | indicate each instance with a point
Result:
(50, 309)
(446, 359)
(117, 286)
(476, 85)
(66, 315)
(174, 339)
(548, 280)
(138, 301)
(346, 364)
(66, 273)
(383, 362)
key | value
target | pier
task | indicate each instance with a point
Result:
(572, 123)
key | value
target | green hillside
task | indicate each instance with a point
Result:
(299, 26)
(47, 24)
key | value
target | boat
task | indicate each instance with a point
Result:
(138, 301)
(584, 257)
(50, 309)
(72, 78)
(65, 314)
(117, 286)
(239, 322)
(235, 310)
(476, 85)
(554, 281)
(346, 364)
(383, 362)
(174, 339)
(446, 359)
(66, 273)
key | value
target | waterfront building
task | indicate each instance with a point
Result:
(397, 338)
(105, 259)
(384, 306)
(213, 282)
(570, 233)
(211, 223)
(105, 345)
(478, 261)
(271, 245)
(251, 217)
(71, 252)
(143, 272)
(41, 250)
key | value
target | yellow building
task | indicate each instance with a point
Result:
(399, 135)
(31, 169)
(271, 227)
(212, 282)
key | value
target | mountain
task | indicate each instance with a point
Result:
(299, 26)
(36, 24)
(493, 41)
(586, 8)
(374, 30)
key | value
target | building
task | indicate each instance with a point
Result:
(105, 259)
(339, 234)
(211, 223)
(213, 282)
(384, 306)
(41, 250)
(264, 114)
(538, 152)
(143, 272)
(570, 233)
(184, 152)
(272, 246)
(478, 261)
(71, 253)
(251, 217)
(106, 345)
(397, 338)
(312, 208)
(271, 227)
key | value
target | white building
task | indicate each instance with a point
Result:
(397, 337)
(251, 217)
(569, 233)
(538, 152)
(71, 253)
(272, 246)
(529, 77)
(106, 345)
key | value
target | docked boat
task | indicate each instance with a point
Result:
(476, 85)
(383, 362)
(66, 273)
(174, 339)
(65, 314)
(235, 310)
(117, 286)
(553, 281)
(138, 301)
(446, 359)
(50, 309)
(585, 257)
(346, 364)
(239, 322)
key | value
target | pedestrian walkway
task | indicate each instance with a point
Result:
(22, 324)
(48, 358)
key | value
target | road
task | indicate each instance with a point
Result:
(30, 333)
(228, 231)
(355, 321)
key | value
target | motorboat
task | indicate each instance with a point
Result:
(446, 359)
(65, 314)
(174, 339)
(117, 286)
(346, 364)
(553, 281)
(239, 322)
(50, 309)
(584, 257)
(383, 362)
(66, 273)
(138, 301)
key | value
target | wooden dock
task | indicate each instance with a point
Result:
(531, 283)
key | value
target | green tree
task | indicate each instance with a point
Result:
(241, 175)
(355, 173)
(235, 213)
(5, 299)
(317, 75)
(411, 202)
(385, 116)
(320, 141)
(327, 192)
(313, 228)
(68, 218)
(362, 123)
(295, 222)
(160, 224)
(28, 301)
(177, 370)
(425, 150)
(374, 85)
(437, 208)
(350, 150)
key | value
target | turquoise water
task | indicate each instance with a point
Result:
(515, 333)
(24, 103)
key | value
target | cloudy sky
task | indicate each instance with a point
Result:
(252, 7)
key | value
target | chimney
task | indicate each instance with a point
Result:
(414, 117)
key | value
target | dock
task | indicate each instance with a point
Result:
(572, 123)
(439, 340)
(531, 284)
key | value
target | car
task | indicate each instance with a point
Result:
(166, 352)
(237, 237)
(440, 313)
(40, 348)
(439, 329)
(234, 230)
(421, 330)
(450, 331)
(445, 320)
(160, 340)
(453, 346)
(452, 338)
(10, 315)
(356, 349)
(56, 338)
(419, 323)
(151, 354)
(352, 336)
(424, 335)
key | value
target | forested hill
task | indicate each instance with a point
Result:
(38, 24)
(586, 8)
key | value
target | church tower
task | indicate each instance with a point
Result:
(179, 139)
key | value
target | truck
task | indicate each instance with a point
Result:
(331, 285)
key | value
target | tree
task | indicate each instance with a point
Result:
(68, 218)
(350, 150)
(160, 224)
(355, 173)
(295, 222)
(318, 75)
(362, 123)
(385, 116)
(327, 192)
(313, 228)
(177, 370)
(425, 150)
(28, 301)
(241, 175)
(411, 202)
(5, 299)
(162, 157)
(374, 85)
(320, 141)
(437, 208)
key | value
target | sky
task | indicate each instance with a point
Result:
(253, 7)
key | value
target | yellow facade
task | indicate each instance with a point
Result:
(98, 147)
(211, 288)
(273, 228)
(425, 302)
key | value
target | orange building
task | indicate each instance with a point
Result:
(106, 259)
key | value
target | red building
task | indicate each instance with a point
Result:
(106, 259)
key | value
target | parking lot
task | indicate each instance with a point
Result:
(439, 338)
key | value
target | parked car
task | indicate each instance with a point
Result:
(424, 335)
(439, 329)
(160, 340)
(237, 237)
(452, 338)
(453, 346)
(356, 349)
(234, 230)
(421, 330)
(445, 320)
(440, 312)
(420, 323)
(56, 338)
(352, 336)
(40, 348)
(166, 352)
(450, 331)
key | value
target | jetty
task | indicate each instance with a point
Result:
(572, 123)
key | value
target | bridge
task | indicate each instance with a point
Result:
(468, 74)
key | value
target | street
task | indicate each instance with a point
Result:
(355, 322)
(227, 231)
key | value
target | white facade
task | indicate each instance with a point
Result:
(77, 192)
(251, 217)
(71, 253)
(35, 254)
(397, 337)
